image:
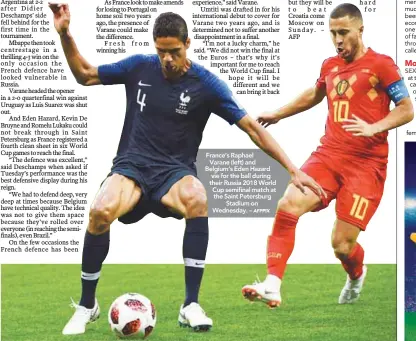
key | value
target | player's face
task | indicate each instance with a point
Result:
(346, 34)
(172, 55)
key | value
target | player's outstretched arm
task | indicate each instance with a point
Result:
(84, 72)
(267, 143)
(400, 115)
(308, 99)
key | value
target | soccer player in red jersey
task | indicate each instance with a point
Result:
(351, 162)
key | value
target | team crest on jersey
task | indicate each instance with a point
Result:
(342, 87)
(183, 104)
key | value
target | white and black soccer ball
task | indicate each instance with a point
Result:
(132, 315)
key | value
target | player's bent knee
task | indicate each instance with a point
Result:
(196, 202)
(342, 248)
(103, 214)
(100, 219)
(289, 204)
(197, 205)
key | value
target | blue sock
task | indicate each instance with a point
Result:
(94, 252)
(194, 250)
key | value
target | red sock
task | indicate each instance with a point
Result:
(280, 243)
(353, 264)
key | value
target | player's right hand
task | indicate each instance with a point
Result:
(267, 119)
(61, 17)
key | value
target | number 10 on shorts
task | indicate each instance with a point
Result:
(359, 207)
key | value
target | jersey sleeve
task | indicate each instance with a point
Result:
(119, 72)
(391, 79)
(223, 102)
(387, 71)
(321, 82)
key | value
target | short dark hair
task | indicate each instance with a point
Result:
(346, 9)
(170, 25)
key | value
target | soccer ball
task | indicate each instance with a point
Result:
(132, 315)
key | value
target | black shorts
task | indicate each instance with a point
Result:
(155, 181)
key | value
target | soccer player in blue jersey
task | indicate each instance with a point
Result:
(169, 100)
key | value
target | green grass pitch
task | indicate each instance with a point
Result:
(410, 326)
(35, 301)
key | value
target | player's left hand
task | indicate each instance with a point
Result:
(359, 127)
(302, 180)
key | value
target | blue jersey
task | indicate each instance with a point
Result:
(165, 118)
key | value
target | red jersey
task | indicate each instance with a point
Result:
(357, 88)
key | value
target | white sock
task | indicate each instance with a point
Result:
(273, 282)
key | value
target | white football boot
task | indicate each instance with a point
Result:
(194, 316)
(81, 317)
(264, 292)
(350, 293)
